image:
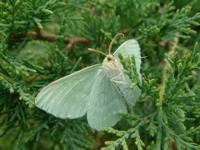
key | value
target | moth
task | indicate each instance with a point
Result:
(101, 92)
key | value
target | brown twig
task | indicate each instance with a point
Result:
(170, 54)
(69, 41)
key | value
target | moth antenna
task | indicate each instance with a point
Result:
(113, 40)
(96, 51)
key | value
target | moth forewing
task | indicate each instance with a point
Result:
(128, 49)
(68, 97)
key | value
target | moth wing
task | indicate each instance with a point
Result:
(68, 97)
(105, 103)
(130, 48)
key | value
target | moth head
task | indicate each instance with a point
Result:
(111, 61)
(110, 58)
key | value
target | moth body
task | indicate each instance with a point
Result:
(111, 67)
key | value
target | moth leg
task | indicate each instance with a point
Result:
(114, 79)
(120, 82)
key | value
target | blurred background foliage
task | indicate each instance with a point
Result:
(43, 40)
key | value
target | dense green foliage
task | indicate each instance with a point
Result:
(167, 115)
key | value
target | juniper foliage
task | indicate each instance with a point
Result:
(32, 54)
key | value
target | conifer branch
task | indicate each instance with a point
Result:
(167, 114)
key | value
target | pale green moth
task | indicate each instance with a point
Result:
(100, 91)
